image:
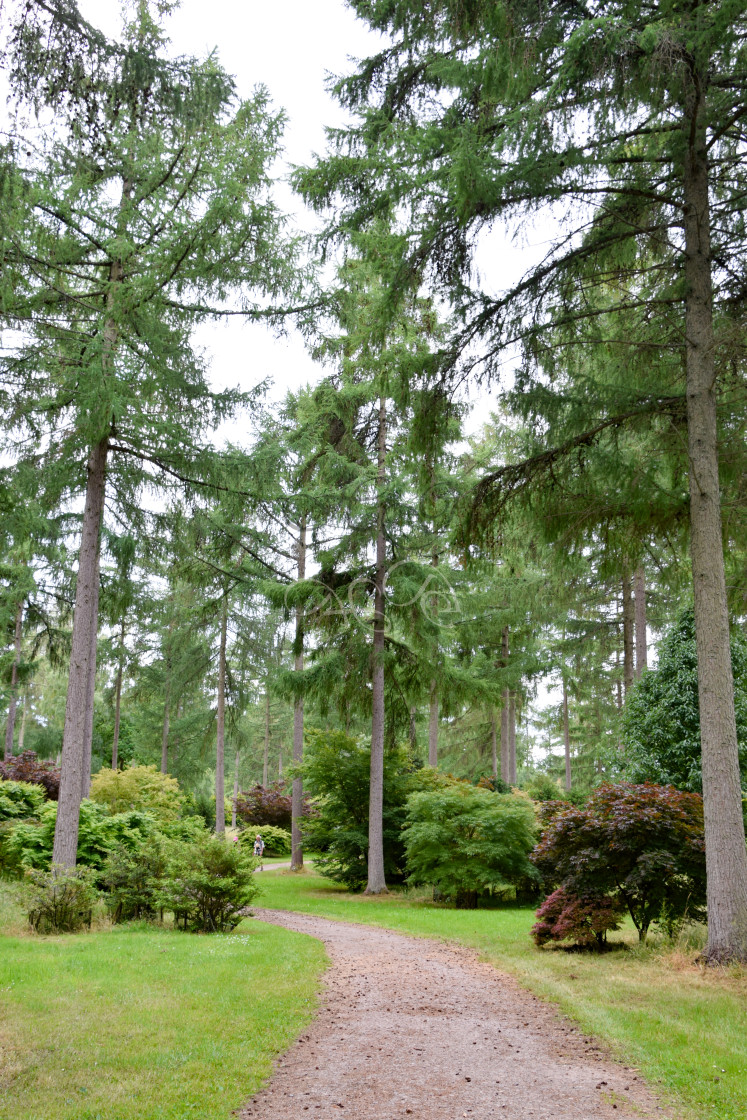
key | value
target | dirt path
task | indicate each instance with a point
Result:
(409, 1027)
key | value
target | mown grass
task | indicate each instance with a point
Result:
(142, 1023)
(683, 1026)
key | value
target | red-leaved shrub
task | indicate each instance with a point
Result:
(27, 767)
(585, 921)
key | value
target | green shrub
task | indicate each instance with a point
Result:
(138, 787)
(31, 844)
(277, 840)
(134, 878)
(19, 800)
(336, 771)
(62, 899)
(468, 841)
(207, 883)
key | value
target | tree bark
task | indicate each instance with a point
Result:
(85, 622)
(297, 797)
(433, 727)
(376, 879)
(165, 728)
(220, 756)
(493, 744)
(266, 753)
(641, 643)
(726, 856)
(11, 724)
(628, 620)
(22, 732)
(118, 698)
(413, 729)
(85, 788)
(280, 762)
(566, 736)
(235, 790)
(512, 738)
(505, 761)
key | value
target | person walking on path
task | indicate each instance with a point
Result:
(259, 847)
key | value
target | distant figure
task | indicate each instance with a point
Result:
(259, 847)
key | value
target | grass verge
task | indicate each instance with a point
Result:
(142, 1023)
(683, 1026)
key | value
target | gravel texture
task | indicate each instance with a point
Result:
(415, 1028)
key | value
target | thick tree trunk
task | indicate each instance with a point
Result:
(512, 738)
(433, 727)
(493, 744)
(376, 878)
(566, 736)
(266, 752)
(726, 856)
(11, 724)
(641, 643)
(297, 797)
(235, 798)
(118, 697)
(85, 622)
(628, 620)
(220, 753)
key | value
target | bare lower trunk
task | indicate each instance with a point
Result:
(266, 752)
(90, 699)
(118, 698)
(22, 732)
(505, 756)
(726, 856)
(566, 736)
(641, 644)
(493, 745)
(628, 620)
(85, 622)
(297, 798)
(512, 738)
(220, 754)
(413, 729)
(11, 724)
(235, 797)
(376, 878)
(433, 727)
(280, 762)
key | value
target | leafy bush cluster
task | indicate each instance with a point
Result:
(138, 787)
(277, 841)
(62, 899)
(585, 921)
(207, 884)
(268, 805)
(26, 767)
(19, 800)
(634, 847)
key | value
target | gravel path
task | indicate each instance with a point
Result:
(409, 1027)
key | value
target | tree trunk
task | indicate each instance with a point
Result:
(566, 736)
(220, 756)
(11, 724)
(297, 798)
(493, 744)
(85, 620)
(726, 856)
(505, 754)
(235, 790)
(85, 776)
(266, 753)
(22, 732)
(433, 728)
(165, 727)
(118, 698)
(641, 644)
(280, 762)
(376, 879)
(628, 613)
(512, 738)
(413, 729)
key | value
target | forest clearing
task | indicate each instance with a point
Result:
(373, 549)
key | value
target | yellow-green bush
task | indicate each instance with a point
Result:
(138, 787)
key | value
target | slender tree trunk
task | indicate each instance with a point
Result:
(376, 878)
(235, 790)
(628, 612)
(493, 743)
(618, 683)
(433, 727)
(505, 758)
(266, 753)
(118, 698)
(726, 856)
(512, 738)
(220, 756)
(641, 644)
(413, 729)
(22, 732)
(165, 728)
(90, 698)
(280, 762)
(566, 735)
(11, 724)
(85, 621)
(297, 797)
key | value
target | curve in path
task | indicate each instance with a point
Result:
(416, 1028)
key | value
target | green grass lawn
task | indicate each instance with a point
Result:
(684, 1027)
(141, 1023)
